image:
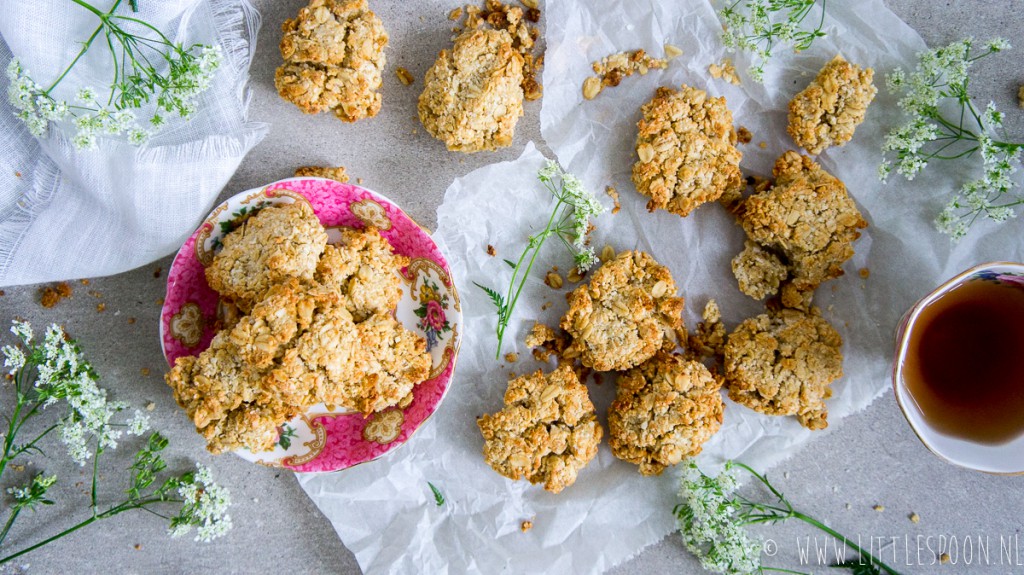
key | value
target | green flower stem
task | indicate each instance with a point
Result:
(535, 244)
(120, 508)
(104, 17)
(774, 514)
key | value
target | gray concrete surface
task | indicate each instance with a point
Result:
(872, 458)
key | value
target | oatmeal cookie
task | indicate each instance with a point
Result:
(687, 152)
(337, 174)
(627, 312)
(281, 241)
(664, 410)
(547, 431)
(363, 270)
(220, 392)
(472, 95)
(333, 59)
(809, 219)
(782, 363)
(758, 271)
(320, 366)
(286, 311)
(828, 110)
(389, 361)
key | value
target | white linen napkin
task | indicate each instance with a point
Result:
(66, 213)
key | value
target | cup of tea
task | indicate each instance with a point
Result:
(958, 373)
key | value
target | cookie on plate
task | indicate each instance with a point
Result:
(547, 431)
(664, 411)
(363, 269)
(280, 242)
(827, 111)
(472, 96)
(783, 363)
(627, 312)
(333, 59)
(686, 146)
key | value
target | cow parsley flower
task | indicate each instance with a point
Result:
(758, 26)
(205, 506)
(136, 84)
(939, 81)
(66, 382)
(569, 221)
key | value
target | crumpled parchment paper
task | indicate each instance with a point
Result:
(384, 510)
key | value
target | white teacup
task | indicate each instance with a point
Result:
(998, 458)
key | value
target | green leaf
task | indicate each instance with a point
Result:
(438, 496)
(510, 263)
(497, 298)
(858, 567)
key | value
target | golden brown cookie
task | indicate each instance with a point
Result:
(363, 269)
(827, 111)
(280, 242)
(686, 146)
(389, 361)
(472, 96)
(547, 432)
(758, 271)
(627, 312)
(808, 217)
(333, 59)
(783, 363)
(664, 410)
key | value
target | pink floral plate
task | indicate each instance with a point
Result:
(324, 439)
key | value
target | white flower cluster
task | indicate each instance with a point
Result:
(750, 28)
(188, 76)
(205, 507)
(708, 521)
(62, 373)
(942, 77)
(569, 189)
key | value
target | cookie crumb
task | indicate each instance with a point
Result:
(743, 135)
(607, 254)
(337, 173)
(138, 546)
(491, 251)
(614, 195)
(864, 273)
(18, 467)
(762, 144)
(101, 307)
(725, 71)
(612, 69)
(553, 280)
(84, 282)
(2, 293)
(879, 508)
(359, 181)
(511, 357)
(545, 306)
(150, 406)
(944, 558)
(455, 14)
(144, 371)
(672, 51)
(1020, 96)
(848, 506)
(526, 526)
(575, 276)
(914, 518)
(131, 320)
(159, 301)
(157, 272)
(53, 294)
(404, 76)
